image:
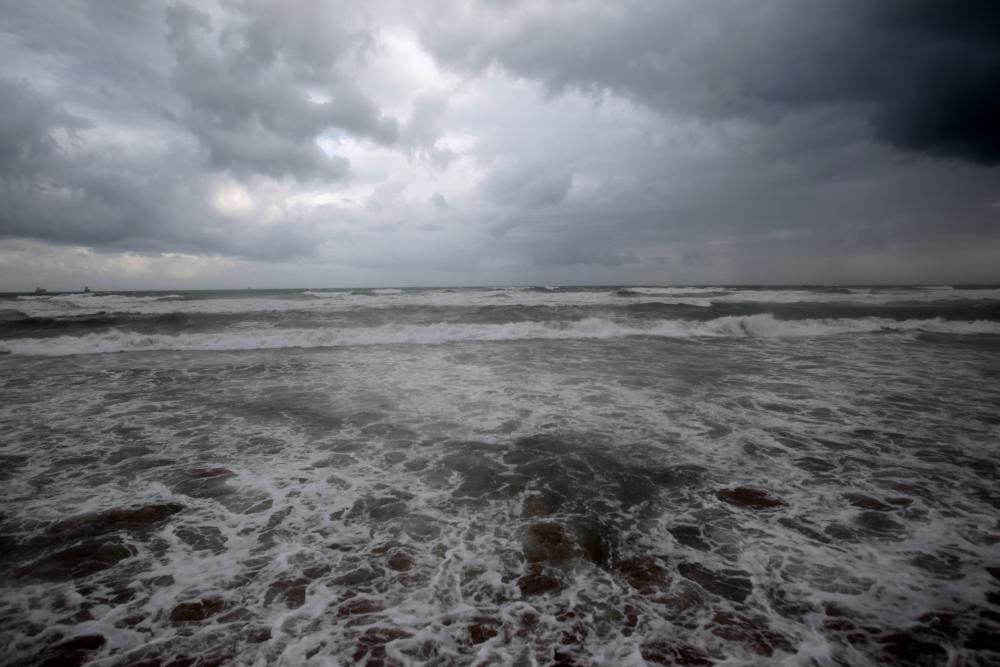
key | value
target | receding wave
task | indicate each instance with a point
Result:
(762, 325)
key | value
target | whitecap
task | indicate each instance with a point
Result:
(761, 325)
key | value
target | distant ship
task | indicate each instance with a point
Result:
(41, 290)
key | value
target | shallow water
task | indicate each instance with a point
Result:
(745, 497)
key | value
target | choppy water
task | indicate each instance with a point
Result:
(507, 476)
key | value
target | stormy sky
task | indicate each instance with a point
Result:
(237, 143)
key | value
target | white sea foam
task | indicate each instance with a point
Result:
(671, 291)
(877, 296)
(84, 300)
(331, 301)
(291, 538)
(84, 303)
(763, 325)
(324, 295)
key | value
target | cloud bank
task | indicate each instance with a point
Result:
(336, 143)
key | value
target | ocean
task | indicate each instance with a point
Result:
(506, 476)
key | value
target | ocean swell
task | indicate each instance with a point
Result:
(761, 325)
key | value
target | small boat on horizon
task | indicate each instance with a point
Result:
(41, 290)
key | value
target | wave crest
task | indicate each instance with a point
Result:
(763, 326)
(90, 300)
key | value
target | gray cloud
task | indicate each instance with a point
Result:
(247, 83)
(26, 127)
(643, 141)
(114, 119)
(423, 128)
(528, 186)
(145, 202)
(923, 73)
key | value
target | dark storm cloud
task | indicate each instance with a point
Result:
(46, 193)
(763, 130)
(943, 88)
(26, 126)
(925, 74)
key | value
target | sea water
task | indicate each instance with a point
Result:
(505, 476)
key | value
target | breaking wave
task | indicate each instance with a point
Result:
(90, 300)
(323, 295)
(761, 325)
(115, 298)
(821, 302)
